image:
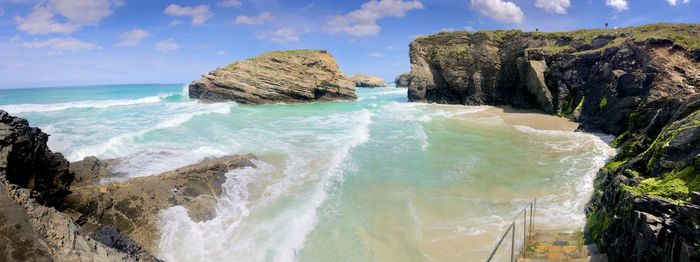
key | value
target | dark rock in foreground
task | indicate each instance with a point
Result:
(32, 177)
(27, 161)
(295, 76)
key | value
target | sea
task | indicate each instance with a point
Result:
(377, 179)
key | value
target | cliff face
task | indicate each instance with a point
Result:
(295, 76)
(641, 84)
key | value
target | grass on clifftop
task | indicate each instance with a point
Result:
(684, 35)
(281, 54)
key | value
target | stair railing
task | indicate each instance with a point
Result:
(527, 230)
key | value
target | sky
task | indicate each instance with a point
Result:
(88, 42)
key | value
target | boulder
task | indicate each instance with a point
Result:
(535, 83)
(368, 81)
(295, 76)
(403, 80)
(132, 207)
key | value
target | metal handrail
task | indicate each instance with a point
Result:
(511, 229)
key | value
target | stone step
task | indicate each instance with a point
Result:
(560, 246)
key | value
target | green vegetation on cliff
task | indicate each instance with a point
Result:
(675, 185)
(586, 40)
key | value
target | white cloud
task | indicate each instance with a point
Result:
(87, 12)
(282, 35)
(260, 19)
(674, 2)
(376, 54)
(554, 6)
(60, 45)
(132, 38)
(499, 10)
(167, 45)
(200, 14)
(77, 13)
(619, 5)
(363, 22)
(221, 52)
(230, 3)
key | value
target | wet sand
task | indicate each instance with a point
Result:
(532, 118)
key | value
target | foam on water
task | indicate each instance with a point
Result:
(125, 144)
(95, 104)
(232, 234)
(377, 179)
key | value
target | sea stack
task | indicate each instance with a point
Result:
(368, 81)
(293, 76)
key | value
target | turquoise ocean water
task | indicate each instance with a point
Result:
(377, 179)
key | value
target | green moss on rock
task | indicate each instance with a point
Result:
(619, 139)
(675, 185)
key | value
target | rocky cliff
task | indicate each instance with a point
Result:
(295, 76)
(641, 84)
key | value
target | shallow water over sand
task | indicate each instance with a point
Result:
(376, 179)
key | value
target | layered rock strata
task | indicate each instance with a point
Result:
(295, 76)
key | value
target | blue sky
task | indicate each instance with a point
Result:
(84, 42)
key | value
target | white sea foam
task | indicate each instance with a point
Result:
(294, 196)
(24, 108)
(123, 144)
(185, 91)
(589, 153)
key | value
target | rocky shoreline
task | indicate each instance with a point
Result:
(53, 210)
(641, 84)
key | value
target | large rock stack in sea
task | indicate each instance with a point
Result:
(293, 76)
(641, 84)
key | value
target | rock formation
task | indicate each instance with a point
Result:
(295, 76)
(132, 207)
(403, 80)
(51, 210)
(641, 84)
(368, 81)
(32, 177)
(27, 161)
